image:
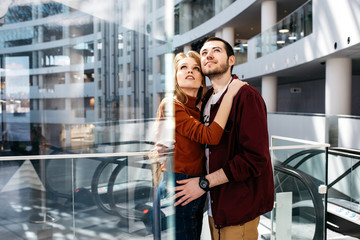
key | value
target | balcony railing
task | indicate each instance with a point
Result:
(70, 195)
(289, 30)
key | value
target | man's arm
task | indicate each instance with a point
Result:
(190, 190)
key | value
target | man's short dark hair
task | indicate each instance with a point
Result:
(228, 48)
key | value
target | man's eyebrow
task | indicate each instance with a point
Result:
(216, 47)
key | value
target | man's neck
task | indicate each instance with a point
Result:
(219, 82)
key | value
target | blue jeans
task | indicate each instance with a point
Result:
(188, 218)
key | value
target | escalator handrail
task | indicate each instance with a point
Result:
(350, 153)
(315, 196)
(58, 150)
(334, 151)
(310, 155)
(345, 153)
(298, 154)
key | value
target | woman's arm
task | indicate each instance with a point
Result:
(226, 104)
(188, 126)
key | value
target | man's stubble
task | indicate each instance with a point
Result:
(222, 69)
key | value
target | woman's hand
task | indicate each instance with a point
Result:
(235, 86)
(226, 104)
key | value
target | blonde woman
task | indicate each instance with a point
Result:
(191, 135)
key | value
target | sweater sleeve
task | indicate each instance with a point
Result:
(251, 157)
(188, 126)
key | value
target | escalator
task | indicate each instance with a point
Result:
(307, 207)
(342, 200)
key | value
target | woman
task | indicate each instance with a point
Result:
(191, 135)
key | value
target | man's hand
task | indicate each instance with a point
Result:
(188, 191)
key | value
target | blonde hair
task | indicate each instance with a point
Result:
(179, 94)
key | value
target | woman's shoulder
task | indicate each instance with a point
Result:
(174, 103)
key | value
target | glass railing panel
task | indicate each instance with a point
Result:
(241, 53)
(344, 131)
(31, 209)
(81, 82)
(287, 31)
(344, 192)
(190, 14)
(300, 173)
(98, 196)
(300, 212)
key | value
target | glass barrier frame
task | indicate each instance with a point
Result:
(44, 220)
(292, 144)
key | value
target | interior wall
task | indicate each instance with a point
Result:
(302, 97)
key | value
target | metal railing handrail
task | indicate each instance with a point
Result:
(306, 142)
(73, 156)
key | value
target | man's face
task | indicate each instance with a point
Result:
(214, 59)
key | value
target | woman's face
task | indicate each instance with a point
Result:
(189, 76)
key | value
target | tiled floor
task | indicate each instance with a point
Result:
(19, 209)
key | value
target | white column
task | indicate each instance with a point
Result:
(218, 34)
(185, 17)
(268, 19)
(66, 28)
(269, 83)
(66, 136)
(217, 6)
(228, 34)
(268, 14)
(251, 53)
(269, 92)
(187, 48)
(41, 85)
(338, 86)
(226, 3)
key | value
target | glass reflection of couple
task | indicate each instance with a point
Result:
(207, 157)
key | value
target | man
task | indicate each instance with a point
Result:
(240, 181)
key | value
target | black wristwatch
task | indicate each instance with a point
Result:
(204, 184)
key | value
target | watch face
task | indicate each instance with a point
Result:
(203, 184)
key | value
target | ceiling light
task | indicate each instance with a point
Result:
(284, 30)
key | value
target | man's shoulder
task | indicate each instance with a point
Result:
(249, 90)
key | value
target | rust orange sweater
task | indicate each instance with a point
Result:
(190, 137)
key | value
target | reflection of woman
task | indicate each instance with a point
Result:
(190, 135)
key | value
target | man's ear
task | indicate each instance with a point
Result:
(231, 60)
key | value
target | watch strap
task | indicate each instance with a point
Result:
(204, 183)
